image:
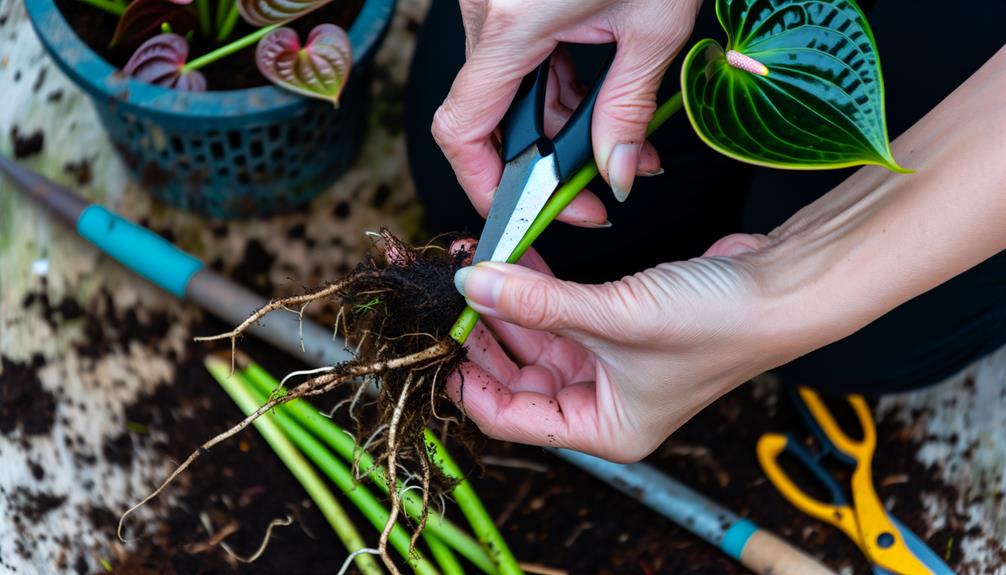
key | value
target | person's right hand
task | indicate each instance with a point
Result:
(507, 39)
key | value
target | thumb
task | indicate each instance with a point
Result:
(533, 300)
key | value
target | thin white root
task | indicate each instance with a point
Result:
(265, 541)
(294, 374)
(353, 555)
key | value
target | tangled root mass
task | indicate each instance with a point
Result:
(396, 310)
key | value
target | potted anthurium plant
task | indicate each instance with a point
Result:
(797, 85)
(229, 108)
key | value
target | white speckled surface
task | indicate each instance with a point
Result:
(961, 423)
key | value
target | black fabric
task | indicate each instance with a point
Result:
(927, 49)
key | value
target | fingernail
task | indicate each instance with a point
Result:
(657, 173)
(595, 225)
(480, 285)
(622, 166)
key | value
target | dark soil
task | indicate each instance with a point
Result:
(237, 71)
(26, 145)
(26, 409)
(403, 302)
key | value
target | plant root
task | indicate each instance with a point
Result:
(315, 386)
(395, 312)
(392, 453)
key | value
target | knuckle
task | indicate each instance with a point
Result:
(445, 128)
(629, 106)
(627, 304)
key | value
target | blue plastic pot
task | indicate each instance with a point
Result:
(228, 153)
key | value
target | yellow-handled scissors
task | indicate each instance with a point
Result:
(890, 546)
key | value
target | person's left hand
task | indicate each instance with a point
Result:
(613, 369)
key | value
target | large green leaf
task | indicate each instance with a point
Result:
(797, 86)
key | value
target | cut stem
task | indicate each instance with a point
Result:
(485, 529)
(110, 6)
(343, 444)
(465, 323)
(297, 464)
(342, 477)
(228, 49)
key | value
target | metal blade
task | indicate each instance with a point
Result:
(922, 552)
(527, 183)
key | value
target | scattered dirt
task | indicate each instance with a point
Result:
(80, 170)
(26, 145)
(66, 310)
(25, 407)
(237, 71)
(33, 506)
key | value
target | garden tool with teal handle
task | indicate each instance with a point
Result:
(890, 547)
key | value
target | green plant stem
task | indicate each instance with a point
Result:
(226, 27)
(465, 323)
(109, 6)
(203, 10)
(297, 464)
(343, 444)
(223, 9)
(228, 49)
(342, 477)
(485, 529)
(442, 553)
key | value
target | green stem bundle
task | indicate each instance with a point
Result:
(470, 504)
(465, 323)
(344, 445)
(297, 464)
(342, 477)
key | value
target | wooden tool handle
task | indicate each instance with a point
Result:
(766, 554)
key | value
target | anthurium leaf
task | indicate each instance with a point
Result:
(267, 12)
(143, 18)
(159, 61)
(318, 69)
(798, 85)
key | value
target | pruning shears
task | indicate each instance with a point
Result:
(891, 547)
(534, 165)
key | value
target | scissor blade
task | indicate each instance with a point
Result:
(527, 183)
(922, 552)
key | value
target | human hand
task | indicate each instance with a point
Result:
(613, 369)
(506, 39)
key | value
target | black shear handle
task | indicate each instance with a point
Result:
(523, 124)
